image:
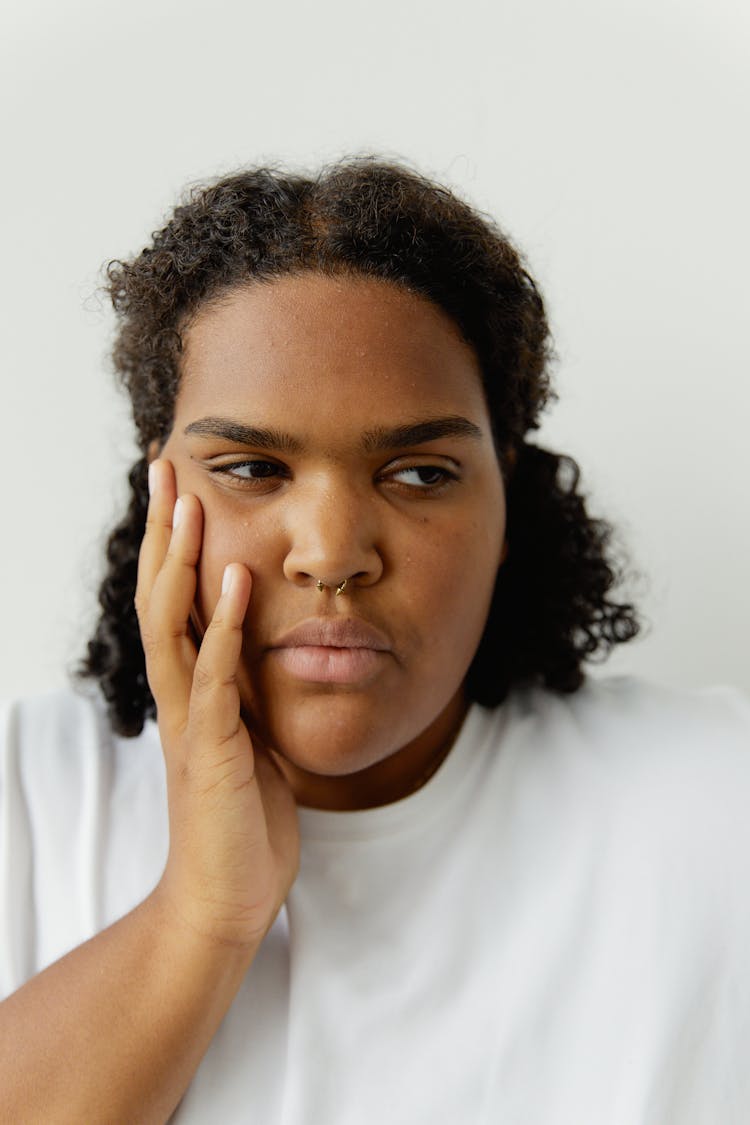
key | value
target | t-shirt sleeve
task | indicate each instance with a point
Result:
(82, 828)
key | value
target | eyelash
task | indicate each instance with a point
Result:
(447, 477)
(230, 469)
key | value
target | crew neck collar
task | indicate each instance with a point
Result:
(450, 778)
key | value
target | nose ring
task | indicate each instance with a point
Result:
(321, 585)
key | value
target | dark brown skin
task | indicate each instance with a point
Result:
(327, 361)
(416, 527)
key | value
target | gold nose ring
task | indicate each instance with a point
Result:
(321, 585)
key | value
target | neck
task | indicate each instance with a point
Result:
(394, 777)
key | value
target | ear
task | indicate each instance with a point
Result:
(153, 451)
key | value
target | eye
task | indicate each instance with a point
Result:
(421, 475)
(429, 480)
(249, 472)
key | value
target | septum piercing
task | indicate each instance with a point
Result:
(321, 585)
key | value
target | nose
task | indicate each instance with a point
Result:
(333, 534)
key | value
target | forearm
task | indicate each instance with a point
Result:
(113, 1032)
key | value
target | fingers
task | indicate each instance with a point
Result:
(162, 497)
(166, 591)
(194, 686)
(215, 698)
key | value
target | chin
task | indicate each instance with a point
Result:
(332, 735)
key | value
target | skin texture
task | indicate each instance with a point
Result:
(417, 528)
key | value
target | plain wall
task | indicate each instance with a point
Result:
(610, 139)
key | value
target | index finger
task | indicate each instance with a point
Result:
(162, 499)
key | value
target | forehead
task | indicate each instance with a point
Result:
(313, 346)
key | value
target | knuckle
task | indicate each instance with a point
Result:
(158, 642)
(151, 643)
(221, 623)
(157, 522)
(181, 557)
(203, 679)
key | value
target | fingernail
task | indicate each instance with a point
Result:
(226, 581)
(151, 478)
(176, 515)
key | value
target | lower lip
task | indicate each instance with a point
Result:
(324, 665)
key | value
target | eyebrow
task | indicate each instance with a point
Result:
(381, 438)
(238, 432)
(415, 433)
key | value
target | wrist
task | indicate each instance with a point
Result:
(212, 946)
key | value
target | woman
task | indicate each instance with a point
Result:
(415, 867)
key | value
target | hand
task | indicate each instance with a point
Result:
(234, 843)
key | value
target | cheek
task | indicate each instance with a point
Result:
(228, 539)
(455, 589)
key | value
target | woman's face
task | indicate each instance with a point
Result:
(336, 428)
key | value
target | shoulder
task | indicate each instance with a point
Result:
(637, 795)
(657, 776)
(630, 724)
(630, 772)
(83, 825)
(59, 742)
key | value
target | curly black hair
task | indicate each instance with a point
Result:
(551, 608)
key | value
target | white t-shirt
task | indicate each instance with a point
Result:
(554, 930)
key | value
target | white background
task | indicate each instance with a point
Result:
(610, 139)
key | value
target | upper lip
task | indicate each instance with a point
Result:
(334, 632)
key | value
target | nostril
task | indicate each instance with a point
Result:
(339, 587)
(312, 565)
(343, 585)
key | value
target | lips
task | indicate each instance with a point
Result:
(331, 650)
(335, 632)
